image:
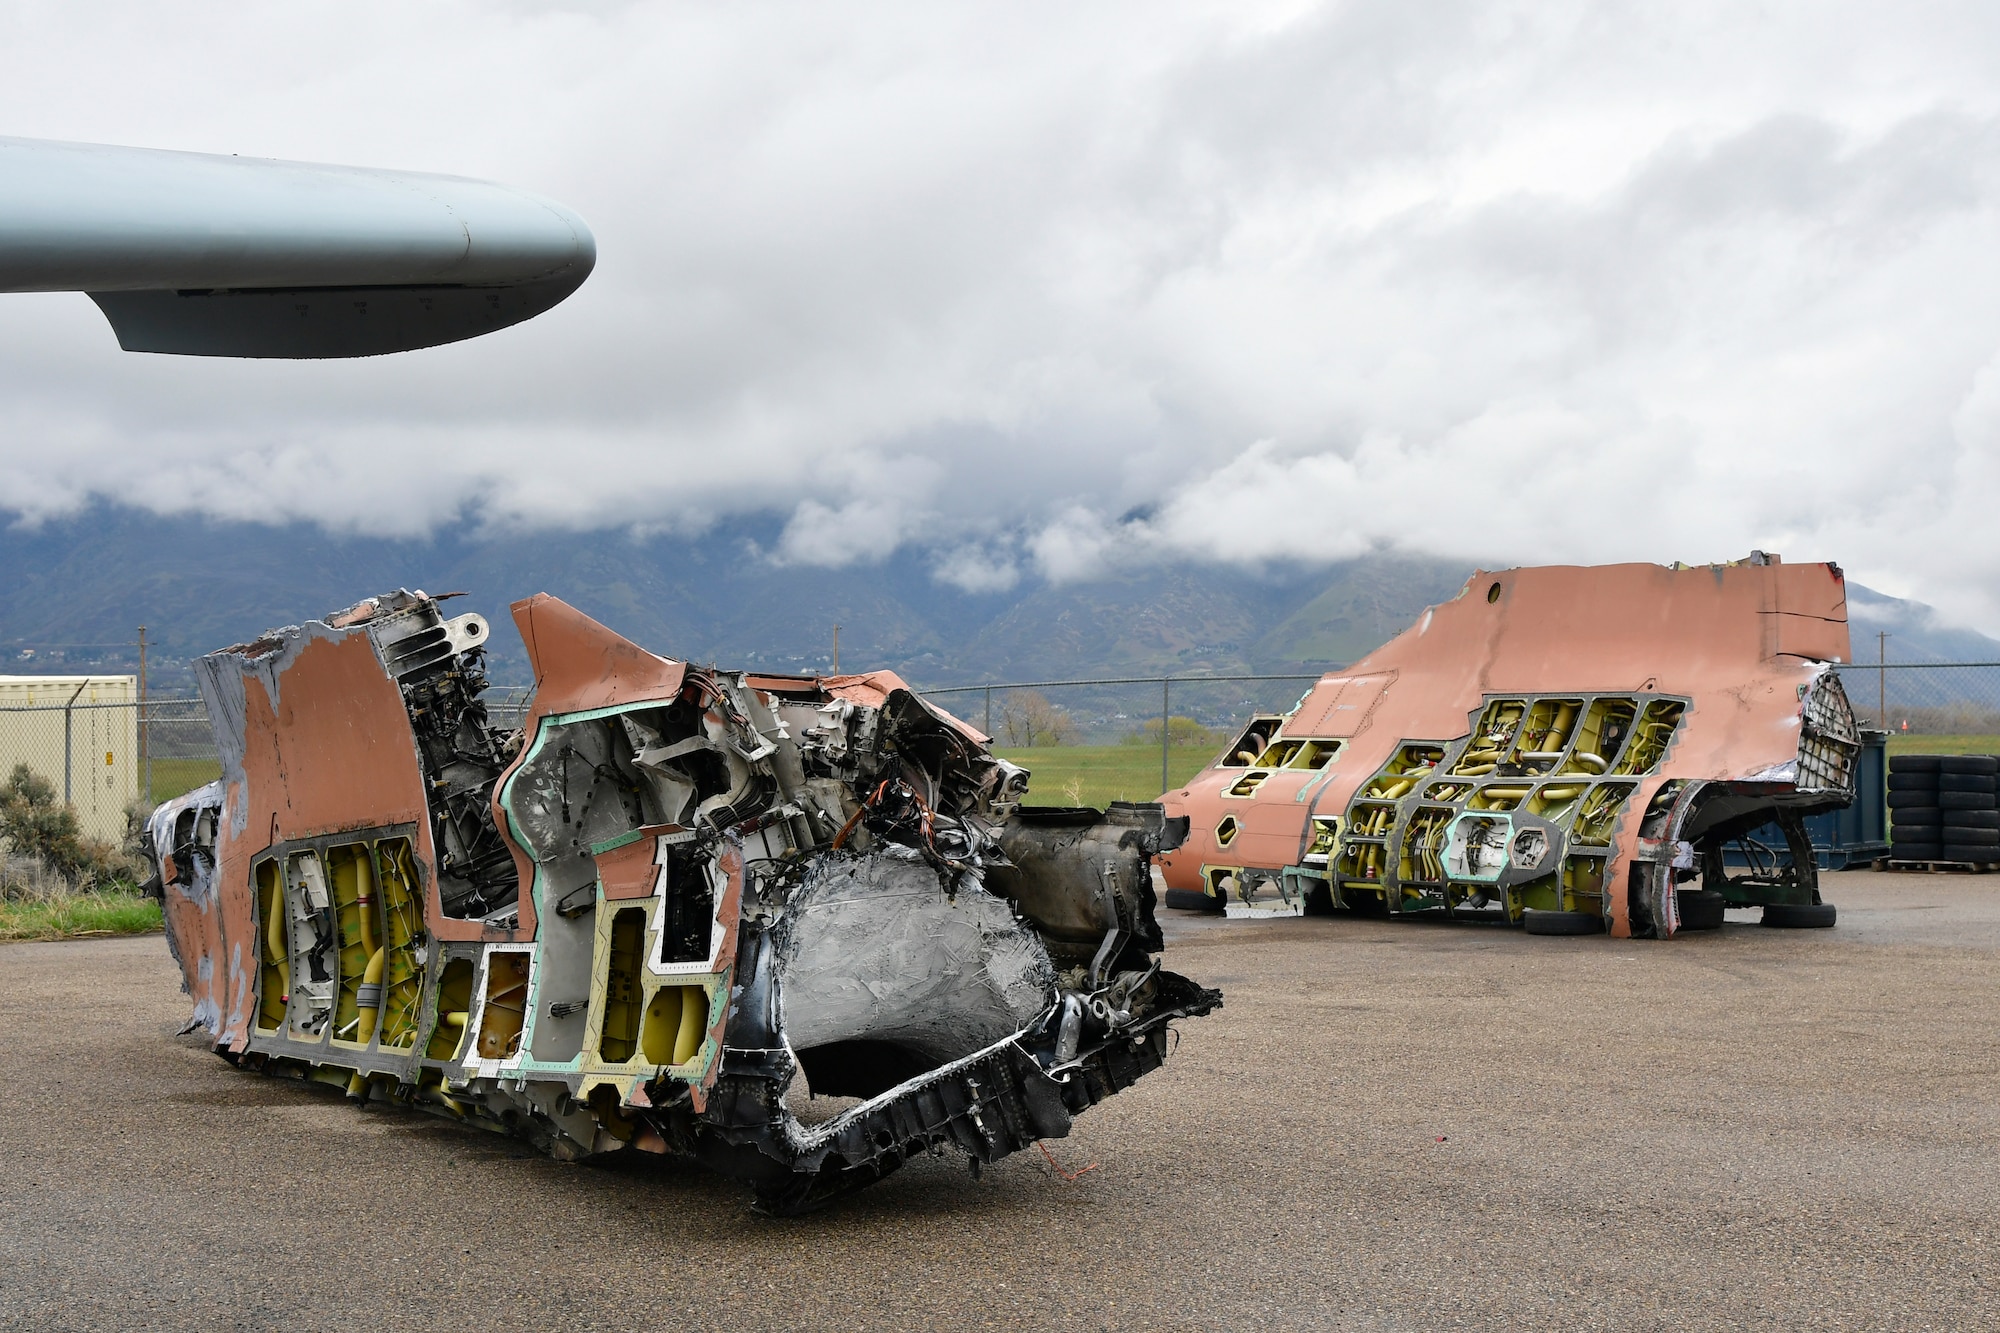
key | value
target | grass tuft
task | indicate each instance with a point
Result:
(75, 915)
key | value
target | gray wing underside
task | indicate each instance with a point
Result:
(204, 255)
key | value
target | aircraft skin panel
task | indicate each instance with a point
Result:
(202, 254)
(646, 917)
(1580, 742)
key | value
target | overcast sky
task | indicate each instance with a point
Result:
(1040, 290)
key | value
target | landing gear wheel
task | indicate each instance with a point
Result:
(1799, 916)
(1700, 909)
(1538, 922)
(1194, 900)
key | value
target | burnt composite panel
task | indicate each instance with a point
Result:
(1573, 740)
(632, 923)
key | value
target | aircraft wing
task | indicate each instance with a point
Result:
(204, 255)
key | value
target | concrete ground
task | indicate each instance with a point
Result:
(1391, 1126)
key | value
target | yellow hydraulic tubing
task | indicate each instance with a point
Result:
(455, 1019)
(694, 1022)
(369, 997)
(364, 898)
(274, 937)
(1558, 735)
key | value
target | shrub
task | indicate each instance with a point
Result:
(1181, 731)
(42, 830)
(1029, 719)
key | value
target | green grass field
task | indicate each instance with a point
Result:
(1900, 743)
(1106, 772)
(1098, 774)
(1101, 772)
(78, 914)
(178, 777)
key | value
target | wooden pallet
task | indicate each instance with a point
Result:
(1940, 867)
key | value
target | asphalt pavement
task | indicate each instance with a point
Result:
(1390, 1126)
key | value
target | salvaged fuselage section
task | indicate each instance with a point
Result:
(639, 919)
(1568, 745)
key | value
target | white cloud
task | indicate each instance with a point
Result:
(1080, 286)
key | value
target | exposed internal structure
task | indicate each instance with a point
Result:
(1577, 742)
(669, 904)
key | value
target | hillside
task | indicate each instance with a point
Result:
(197, 585)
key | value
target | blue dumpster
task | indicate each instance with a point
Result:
(1852, 838)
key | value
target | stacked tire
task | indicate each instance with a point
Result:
(1944, 807)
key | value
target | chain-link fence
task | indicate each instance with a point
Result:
(179, 748)
(1086, 741)
(1091, 741)
(1928, 706)
(87, 754)
(104, 758)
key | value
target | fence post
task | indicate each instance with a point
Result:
(139, 717)
(989, 713)
(1166, 728)
(69, 716)
(1882, 678)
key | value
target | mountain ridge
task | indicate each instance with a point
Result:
(198, 584)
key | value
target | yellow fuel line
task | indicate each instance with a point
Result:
(274, 938)
(364, 899)
(694, 1024)
(368, 995)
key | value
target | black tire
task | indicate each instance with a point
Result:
(1194, 900)
(1972, 856)
(1914, 763)
(1916, 800)
(1969, 763)
(1799, 916)
(1918, 815)
(1966, 819)
(1899, 838)
(1538, 922)
(1319, 900)
(1913, 781)
(1971, 837)
(1964, 782)
(1963, 800)
(1700, 909)
(1363, 903)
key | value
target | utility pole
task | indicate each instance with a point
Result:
(1166, 727)
(1882, 677)
(139, 716)
(836, 650)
